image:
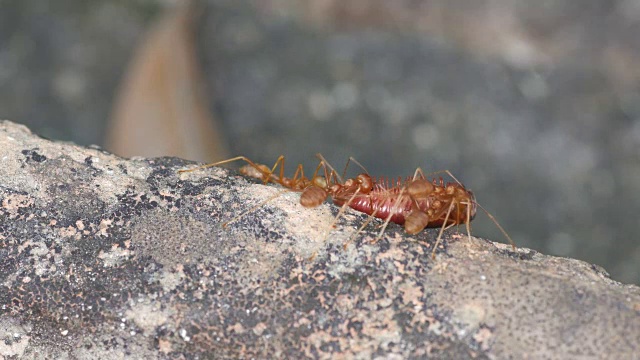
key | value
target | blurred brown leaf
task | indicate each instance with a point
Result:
(161, 109)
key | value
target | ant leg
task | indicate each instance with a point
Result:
(334, 173)
(397, 203)
(388, 219)
(327, 180)
(343, 208)
(321, 164)
(327, 164)
(344, 172)
(279, 161)
(297, 178)
(502, 230)
(446, 218)
(420, 172)
(353, 237)
(458, 216)
(265, 174)
(244, 158)
(423, 176)
(469, 220)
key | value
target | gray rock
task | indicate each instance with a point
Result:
(103, 257)
(533, 107)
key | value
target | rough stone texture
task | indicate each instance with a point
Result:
(534, 103)
(102, 257)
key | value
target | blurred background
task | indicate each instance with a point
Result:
(533, 105)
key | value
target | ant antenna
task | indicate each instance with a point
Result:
(322, 159)
(351, 158)
(513, 245)
(244, 158)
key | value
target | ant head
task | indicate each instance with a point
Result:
(365, 182)
(335, 188)
(464, 197)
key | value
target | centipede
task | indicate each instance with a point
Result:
(415, 202)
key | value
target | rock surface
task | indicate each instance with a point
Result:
(526, 103)
(103, 257)
(533, 107)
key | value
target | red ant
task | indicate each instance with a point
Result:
(415, 202)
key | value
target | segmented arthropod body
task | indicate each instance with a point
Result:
(415, 201)
(375, 197)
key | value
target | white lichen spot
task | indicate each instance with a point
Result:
(148, 317)
(115, 256)
(183, 335)
(169, 281)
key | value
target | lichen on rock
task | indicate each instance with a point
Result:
(107, 257)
